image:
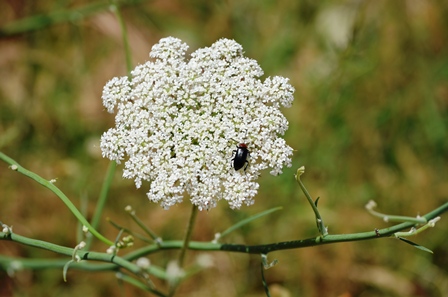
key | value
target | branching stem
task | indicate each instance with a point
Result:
(319, 221)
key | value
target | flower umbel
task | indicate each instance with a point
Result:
(178, 122)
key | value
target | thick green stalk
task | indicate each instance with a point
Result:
(208, 246)
(84, 255)
(125, 261)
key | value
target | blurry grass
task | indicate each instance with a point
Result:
(369, 122)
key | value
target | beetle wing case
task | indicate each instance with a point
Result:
(240, 158)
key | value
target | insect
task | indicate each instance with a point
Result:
(240, 157)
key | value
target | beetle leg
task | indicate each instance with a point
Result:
(246, 165)
(248, 153)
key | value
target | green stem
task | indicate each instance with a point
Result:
(84, 255)
(102, 199)
(329, 239)
(319, 221)
(254, 249)
(37, 22)
(130, 232)
(194, 212)
(16, 167)
(393, 218)
(186, 244)
(140, 223)
(103, 194)
(138, 284)
(124, 34)
(263, 281)
(246, 221)
(125, 261)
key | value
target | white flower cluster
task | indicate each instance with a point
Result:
(178, 122)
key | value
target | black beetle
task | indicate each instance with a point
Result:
(240, 158)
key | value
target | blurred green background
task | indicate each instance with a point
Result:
(369, 121)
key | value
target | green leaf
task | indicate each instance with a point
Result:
(248, 220)
(64, 271)
(416, 245)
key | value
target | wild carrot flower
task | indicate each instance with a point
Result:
(178, 121)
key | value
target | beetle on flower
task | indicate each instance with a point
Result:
(240, 158)
(176, 119)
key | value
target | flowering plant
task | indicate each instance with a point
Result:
(178, 122)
